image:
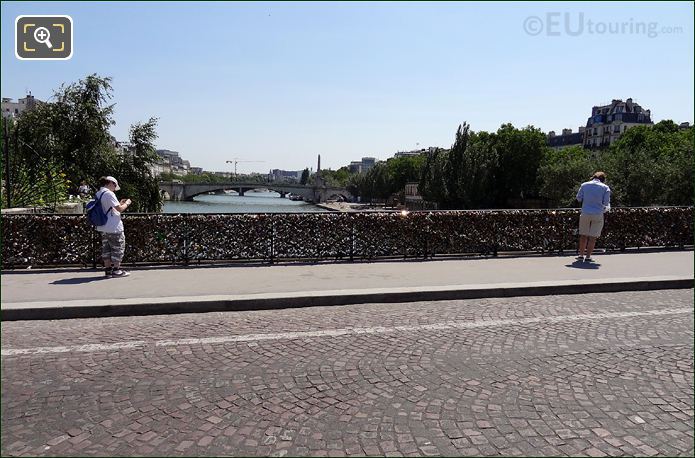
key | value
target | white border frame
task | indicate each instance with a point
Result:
(72, 41)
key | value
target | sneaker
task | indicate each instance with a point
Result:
(588, 259)
(107, 272)
(119, 273)
(579, 258)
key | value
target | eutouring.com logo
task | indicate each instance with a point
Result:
(556, 24)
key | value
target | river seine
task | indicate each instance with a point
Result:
(251, 202)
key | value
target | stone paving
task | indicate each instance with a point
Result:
(590, 375)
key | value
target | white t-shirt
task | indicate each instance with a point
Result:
(108, 201)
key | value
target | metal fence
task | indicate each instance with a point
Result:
(56, 240)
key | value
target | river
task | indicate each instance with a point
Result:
(250, 202)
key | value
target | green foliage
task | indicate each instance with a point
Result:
(337, 178)
(305, 177)
(208, 177)
(652, 166)
(432, 185)
(71, 136)
(35, 180)
(385, 178)
(562, 171)
(520, 152)
(134, 171)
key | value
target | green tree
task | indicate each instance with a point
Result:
(520, 152)
(305, 177)
(479, 167)
(70, 136)
(36, 179)
(455, 168)
(652, 165)
(139, 184)
(432, 184)
(562, 172)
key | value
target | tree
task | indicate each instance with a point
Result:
(520, 152)
(652, 165)
(479, 168)
(67, 141)
(139, 184)
(305, 177)
(454, 168)
(562, 172)
(432, 185)
(35, 180)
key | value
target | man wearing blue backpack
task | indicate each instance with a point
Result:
(105, 213)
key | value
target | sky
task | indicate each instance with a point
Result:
(283, 82)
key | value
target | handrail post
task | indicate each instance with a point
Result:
(352, 237)
(272, 239)
(95, 247)
(185, 238)
(495, 242)
(427, 234)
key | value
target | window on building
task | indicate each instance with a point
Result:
(616, 129)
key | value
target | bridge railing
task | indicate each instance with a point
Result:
(56, 240)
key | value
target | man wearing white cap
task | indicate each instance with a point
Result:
(112, 235)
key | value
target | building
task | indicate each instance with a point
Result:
(417, 152)
(355, 167)
(413, 199)
(12, 109)
(567, 139)
(608, 122)
(285, 175)
(368, 163)
(173, 159)
(160, 168)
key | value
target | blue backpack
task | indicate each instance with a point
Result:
(95, 212)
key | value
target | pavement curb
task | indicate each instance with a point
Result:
(200, 304)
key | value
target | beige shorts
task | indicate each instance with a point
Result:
(590, 225)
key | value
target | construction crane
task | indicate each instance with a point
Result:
(236, 160)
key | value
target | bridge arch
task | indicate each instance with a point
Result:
(187, 191)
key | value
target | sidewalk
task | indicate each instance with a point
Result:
(36, 294)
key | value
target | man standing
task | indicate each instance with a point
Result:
(112, 236)
(595, 197)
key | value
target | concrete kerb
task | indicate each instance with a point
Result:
(52, 310)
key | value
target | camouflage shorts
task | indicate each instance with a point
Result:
(113, 246)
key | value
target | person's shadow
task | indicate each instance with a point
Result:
(78, 281)
(583, 265)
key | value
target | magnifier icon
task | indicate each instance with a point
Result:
(42, 35)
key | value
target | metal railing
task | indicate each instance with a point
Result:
(57, 240)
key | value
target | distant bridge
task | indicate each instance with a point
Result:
(317, 193)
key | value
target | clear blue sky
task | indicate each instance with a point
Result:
(284, 82)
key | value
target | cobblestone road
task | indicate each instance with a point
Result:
(592, 375)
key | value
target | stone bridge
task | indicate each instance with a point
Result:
(317, 193)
